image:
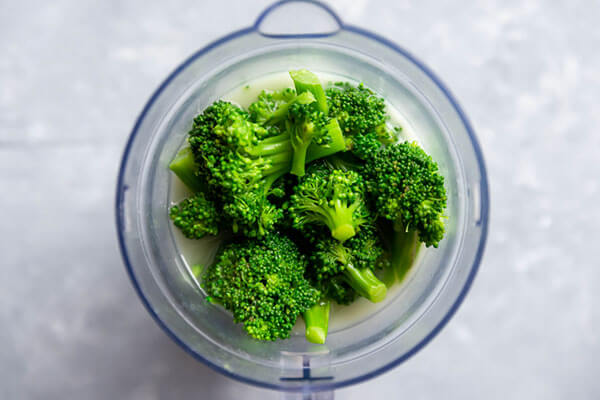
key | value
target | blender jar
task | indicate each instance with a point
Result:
(437, 284)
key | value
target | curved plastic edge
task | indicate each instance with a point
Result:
(278, 4)
(121, 189)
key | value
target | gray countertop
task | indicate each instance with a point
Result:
(75, 74)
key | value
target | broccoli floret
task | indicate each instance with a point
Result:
(241, 160)
(352, 263)
(261, 281)
(407, 188)
(334, 198)
(303, 115)
(268, 102)
(271, 108)
(357, 108)
(364, 146)
(362, 117)
(196, 217)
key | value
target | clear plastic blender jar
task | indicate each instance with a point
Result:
(424, 303)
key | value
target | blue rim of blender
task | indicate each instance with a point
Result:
(484, 199)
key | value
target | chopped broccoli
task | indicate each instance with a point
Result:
(362, 117)
(261, 281)
(307, 126)
(306, 81)
(271, 108)
(196, 217)
(303, 114)
(184, 166)
(407, 188)
(353, 261)
(324, 205)
(242, 160)
(357, 108)
(334, 198)
(316, 320)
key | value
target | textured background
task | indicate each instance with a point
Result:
(73, 77)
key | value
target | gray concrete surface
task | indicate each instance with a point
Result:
(73, 77)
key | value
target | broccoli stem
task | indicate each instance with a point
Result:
(274, 174)
(405, 246)
(365, 283)
(300, 145)
(306, 81)
(316, 320)
(274, 148)
(337, 144)
(184, 166)
(341, 220)
(343, 232)
(299, 161)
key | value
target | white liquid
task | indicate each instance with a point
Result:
(194, 252)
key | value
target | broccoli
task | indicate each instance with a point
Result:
(271, 108)
(335, 288)
(345, 161)
(407, 188)
(307, 126)
(324, 205)
(184, 166)
(261, 281)
(401, 249)
(316, 320)
(241, 159)
(362, 117)
(334, 198)
(352, 262)
(306, 81)
(303, 114)
(196, 217)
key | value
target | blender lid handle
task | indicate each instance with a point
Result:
(293, 19)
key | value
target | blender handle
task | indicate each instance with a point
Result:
(328, 25)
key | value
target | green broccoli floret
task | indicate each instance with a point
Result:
(262, 110)
(303, 114)
(310, 127)
(358, 109)
(241, 160)
(196, 217)
(352, 262)
(362, 117)
(334, 198)
(261, 281)
(271, 107)
(407, 188)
